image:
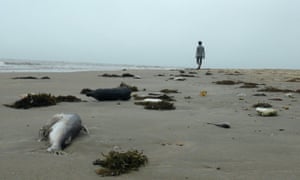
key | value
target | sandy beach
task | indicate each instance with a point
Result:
(179, 143)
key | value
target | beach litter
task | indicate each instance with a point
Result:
(266, 111)
(117, 163)
(203, 93)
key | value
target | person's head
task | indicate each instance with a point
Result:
(200, 42)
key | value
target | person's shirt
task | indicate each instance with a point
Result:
(200, 52)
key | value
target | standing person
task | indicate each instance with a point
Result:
(200, 54)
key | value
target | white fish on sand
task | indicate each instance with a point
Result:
(61, 130)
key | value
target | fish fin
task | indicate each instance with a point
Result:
(44, 133)
(59, 153)
(68, 140)
(85, 129)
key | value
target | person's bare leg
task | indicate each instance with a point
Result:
(199, 62)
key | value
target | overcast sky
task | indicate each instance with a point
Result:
(235, 33)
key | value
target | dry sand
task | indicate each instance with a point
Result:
(179, 143)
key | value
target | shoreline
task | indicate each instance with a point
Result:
(179, 143)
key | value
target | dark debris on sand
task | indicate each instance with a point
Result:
(86, 90)
(169, 91)
(227, 82)
(162, 97)
(132, 88)
(34, 100)
(235, 73)
(124, 75)
(41, 100)
(30, 77)
(263, 105)
(294, 80)
(249, 85)
(273, 89)
(162, 105)
(117, 163)
(231, 82)
(259, 94)
(208, 73)
(68, 98)
(224, 125)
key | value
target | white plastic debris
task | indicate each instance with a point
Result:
(266, 111)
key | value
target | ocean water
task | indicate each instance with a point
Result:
(7, 65)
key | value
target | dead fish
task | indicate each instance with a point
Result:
(225, 125)
(61, 130)
(120, 93)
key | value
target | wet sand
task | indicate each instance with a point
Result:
(179, 143)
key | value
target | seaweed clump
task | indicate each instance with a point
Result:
(117, 163)
(263, 105)
(41, 100)
(86, 90)
(294, 80)
(31, 77)
(273, 89)
(162, 105)
(124, 75)
(249, 85)
(25, 77)
(68, 98)
(132, 88)
(34, 100)
(208, 73)
(227, 82)
(169, 91)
